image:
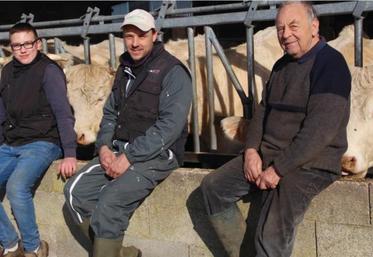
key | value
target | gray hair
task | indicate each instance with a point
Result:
(307, 4)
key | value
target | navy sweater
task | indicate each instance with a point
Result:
(302, 119)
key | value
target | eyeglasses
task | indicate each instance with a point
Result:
(26, 45)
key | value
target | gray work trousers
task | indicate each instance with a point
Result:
(109, 203)
(282, 209)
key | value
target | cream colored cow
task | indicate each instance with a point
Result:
(359, 155)
(88, 87)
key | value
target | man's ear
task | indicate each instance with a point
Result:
(38, 44)
(315, 27)
(154, 35)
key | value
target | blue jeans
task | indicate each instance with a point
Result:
(20, 169)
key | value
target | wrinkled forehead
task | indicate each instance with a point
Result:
(291, 12)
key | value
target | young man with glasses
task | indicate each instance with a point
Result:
(37, 128)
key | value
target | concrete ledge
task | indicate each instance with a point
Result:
(172, 220)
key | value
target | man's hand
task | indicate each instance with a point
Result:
(268, 179)
(67, 167)
(118, 166)
(252, 165)
(106, 157)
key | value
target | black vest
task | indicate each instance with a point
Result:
(29, 116)
(139, 109)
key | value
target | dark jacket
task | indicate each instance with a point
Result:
(148, 106)
(36, 107)
(29, 116)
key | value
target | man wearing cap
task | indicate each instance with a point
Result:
(141, 138)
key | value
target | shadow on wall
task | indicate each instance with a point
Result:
(204, 229)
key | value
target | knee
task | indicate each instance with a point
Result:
(209, 183)
(18, 192)
(109, 222)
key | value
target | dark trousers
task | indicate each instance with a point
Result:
(109, 203)
(282, 210)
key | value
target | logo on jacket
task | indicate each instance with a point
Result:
(155, 71)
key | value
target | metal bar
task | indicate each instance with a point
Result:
(236, 83)
(113, 60)
(222, 7)
(358, 41)
(56, 48)
(210, 89)
(162, 14)
(87, 51)
(192, 66)
(215, 19)
(248, 112)
(44, 44)
(66, 22)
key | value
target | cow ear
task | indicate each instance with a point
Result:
(368, 107)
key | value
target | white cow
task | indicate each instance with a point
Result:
(359, 155)
(88, 87)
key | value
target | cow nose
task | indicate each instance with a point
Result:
(81, 138)
(348, 163)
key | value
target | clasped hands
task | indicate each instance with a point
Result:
(113, 165)
(267, 179)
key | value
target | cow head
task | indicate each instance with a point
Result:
(359, 155)
(88, 88)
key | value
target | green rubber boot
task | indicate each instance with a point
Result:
(230, 227)
(84, 227)
(103, 247)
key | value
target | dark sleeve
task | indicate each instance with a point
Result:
(54, 84)
(327, 109)
(2, 119)
(174, 105)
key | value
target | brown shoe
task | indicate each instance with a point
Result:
(42, 252)
(16, 253)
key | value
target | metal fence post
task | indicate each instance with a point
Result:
(210, 89)
(192, 66)
(113, 60)
(87, 51)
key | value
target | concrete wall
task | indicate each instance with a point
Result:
(172, 221)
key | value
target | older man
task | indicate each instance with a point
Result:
(295, 140)
(141, 138)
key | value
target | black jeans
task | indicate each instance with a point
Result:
(282, 210)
